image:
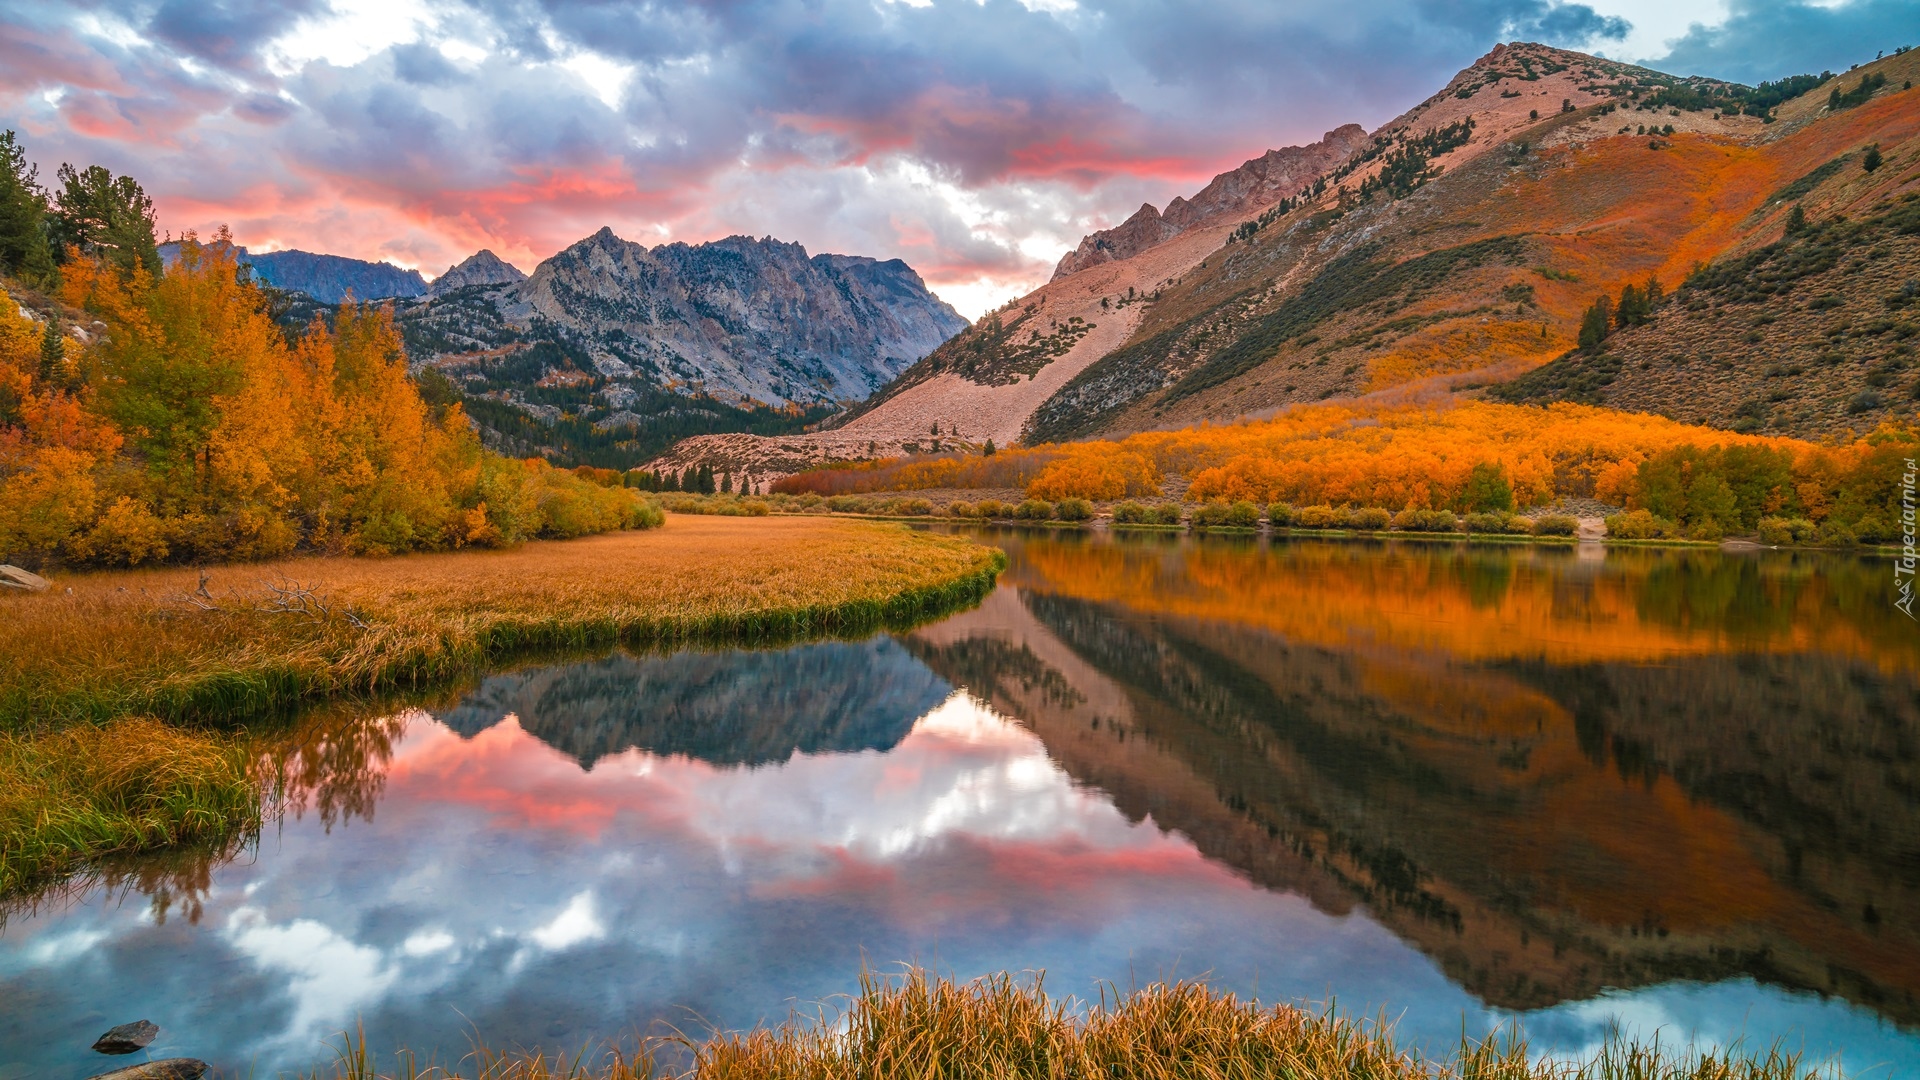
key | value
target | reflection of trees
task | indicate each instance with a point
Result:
(731, 708)
(331, 761)
(173, 880)
(1542, 829)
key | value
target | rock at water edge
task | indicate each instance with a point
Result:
(127, 1038)
(164, 1069)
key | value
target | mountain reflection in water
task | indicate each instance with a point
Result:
(741, 708)
(1664, 787)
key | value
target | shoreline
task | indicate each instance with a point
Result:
(124, 695)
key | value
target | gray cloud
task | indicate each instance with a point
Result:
(777, 116)
(1768, 39)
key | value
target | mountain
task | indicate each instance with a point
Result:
(1464, 247)
(984, 383)
(738, 318)
(1254, 186)
(611, 351)
(331, 278)
(1457, 249)
(328, 279)
(481, 268)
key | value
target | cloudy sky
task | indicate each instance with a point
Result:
(977, 139)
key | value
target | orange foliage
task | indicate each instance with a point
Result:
(1462, 347)
(1636, 606)
(1391, 456)
(193, 428)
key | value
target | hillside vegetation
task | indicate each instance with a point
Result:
(1810, 333)
(1466, 457)
(1468, 242)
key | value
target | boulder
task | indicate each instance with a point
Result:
(127, 1038)
(164, 1069)
(12, 577)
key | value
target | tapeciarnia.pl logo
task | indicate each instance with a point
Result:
(1904, 565)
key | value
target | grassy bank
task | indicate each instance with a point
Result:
(81, 777)
(1000, 1028)
(246, 641)
(134, 785)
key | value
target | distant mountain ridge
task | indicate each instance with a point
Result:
(1258, 183)
(327, 278)
(743, 320)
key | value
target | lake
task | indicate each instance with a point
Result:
(1674, 790)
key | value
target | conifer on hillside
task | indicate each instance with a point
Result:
(24, 251)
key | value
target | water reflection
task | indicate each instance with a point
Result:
(1671, 788)
(727, 708)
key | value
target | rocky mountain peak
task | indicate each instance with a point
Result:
(742, 319)
(1256, 184)
(481, 268)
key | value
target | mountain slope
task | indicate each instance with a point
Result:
(1804, 331)
(986, 382)
(1259, 183)
(1458, 248)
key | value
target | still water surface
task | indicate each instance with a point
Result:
(1674, 790)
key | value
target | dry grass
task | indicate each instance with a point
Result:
(137, 784)
(240, 642)
(999, 1028)
(244, 641)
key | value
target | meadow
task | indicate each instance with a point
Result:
(120, 692)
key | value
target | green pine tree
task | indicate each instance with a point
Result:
(53, 354)
(105, 216)
(1796, 220)
(1596, 324)
(24, 251)
(1872, 160)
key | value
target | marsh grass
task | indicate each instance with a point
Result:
(917, 1027)
(229, 646)
(87, 792)
(105, 679)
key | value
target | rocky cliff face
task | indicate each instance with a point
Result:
(1263, 181)
(331, 278)
(740, 319)
(481, 268)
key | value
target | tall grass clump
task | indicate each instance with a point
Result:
(917, 1027)
(136, 785)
